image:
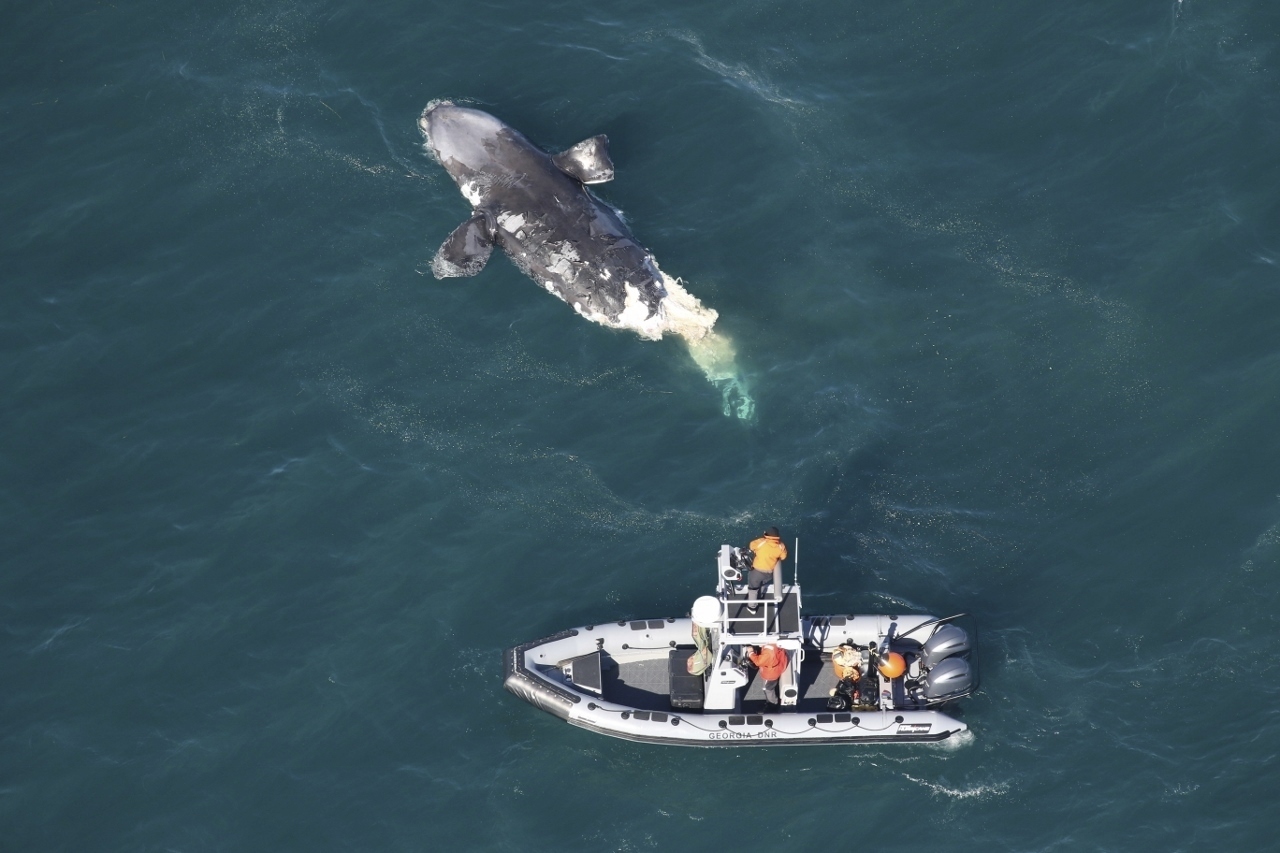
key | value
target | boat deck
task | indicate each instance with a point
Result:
(774, 616)
(644, 685)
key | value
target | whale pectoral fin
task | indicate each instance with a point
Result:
(588, 161)
(465, 251)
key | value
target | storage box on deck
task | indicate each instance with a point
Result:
(686, 689)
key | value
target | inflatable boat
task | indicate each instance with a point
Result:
(690, 681)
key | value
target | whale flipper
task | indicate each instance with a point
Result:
(588, 161)
(465, 251)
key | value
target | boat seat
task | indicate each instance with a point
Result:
(585, 672)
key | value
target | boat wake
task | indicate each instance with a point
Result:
(980, 792)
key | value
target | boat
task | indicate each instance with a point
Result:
(688, 681)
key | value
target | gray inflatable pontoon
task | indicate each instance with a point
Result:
(634, 679)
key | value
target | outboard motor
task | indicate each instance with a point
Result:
(948, 679)
(946, 642)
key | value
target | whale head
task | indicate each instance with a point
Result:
(462, 137)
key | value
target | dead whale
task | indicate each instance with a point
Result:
(536, 207)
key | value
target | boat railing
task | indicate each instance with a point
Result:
(732, 590)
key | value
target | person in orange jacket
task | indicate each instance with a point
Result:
(772, 662)
(769, 552)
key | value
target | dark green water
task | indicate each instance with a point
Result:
(1004, 281)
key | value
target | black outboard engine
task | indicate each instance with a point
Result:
(946, 642)
(948, 679)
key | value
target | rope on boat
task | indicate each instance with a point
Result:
(687, 721)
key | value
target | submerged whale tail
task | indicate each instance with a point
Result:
(716, 355)
(712, 351)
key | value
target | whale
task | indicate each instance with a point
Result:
(537, 208)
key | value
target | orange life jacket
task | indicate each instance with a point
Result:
(769, 552)
(772, 662)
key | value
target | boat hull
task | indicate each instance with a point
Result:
(618, 704)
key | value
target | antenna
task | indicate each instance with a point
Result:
(795, 566)
(934, 622)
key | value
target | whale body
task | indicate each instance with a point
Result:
(536, 207)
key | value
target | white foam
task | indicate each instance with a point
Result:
(978, 792)
(738, 75)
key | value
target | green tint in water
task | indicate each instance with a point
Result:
(717, 356)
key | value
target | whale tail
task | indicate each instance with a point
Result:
(716, 355)
(712, 351)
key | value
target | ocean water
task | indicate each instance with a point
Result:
(1003, 279)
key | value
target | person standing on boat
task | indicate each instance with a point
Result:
(770, 552)
(772, 662)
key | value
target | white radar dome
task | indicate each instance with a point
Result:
(706, 611)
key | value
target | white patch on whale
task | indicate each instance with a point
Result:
(509, 221)
(472, 192)
(562, 262)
